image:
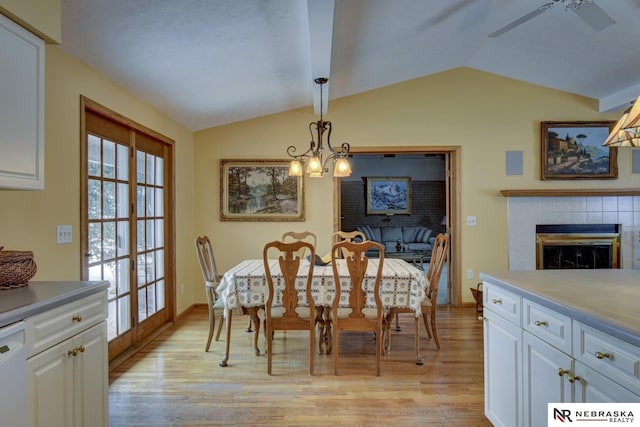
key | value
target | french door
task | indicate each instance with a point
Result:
(126, 218)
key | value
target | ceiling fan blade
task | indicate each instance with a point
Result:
(593, 15)
(524, 19)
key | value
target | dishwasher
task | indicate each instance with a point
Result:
(13, 375)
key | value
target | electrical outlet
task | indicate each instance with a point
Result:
(63, 234)
(469, 274)
(472, 220)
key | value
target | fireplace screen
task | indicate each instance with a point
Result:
(577, 246)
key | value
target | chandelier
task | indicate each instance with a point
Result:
(626, 132)
(317, 163)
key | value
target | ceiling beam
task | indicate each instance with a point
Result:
(619, 100)
(320, 40)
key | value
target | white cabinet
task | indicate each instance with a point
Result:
(21, 108)
(502, 371)
(68, 380)
(535, 355)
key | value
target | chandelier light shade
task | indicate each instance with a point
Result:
(317, 157)
(626, 132)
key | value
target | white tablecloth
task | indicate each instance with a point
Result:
(402, 285)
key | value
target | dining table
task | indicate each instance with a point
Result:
(244, 288)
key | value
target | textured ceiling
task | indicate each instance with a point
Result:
(206, 63)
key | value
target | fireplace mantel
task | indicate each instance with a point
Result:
(558, 192)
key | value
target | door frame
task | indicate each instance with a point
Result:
(453, 203)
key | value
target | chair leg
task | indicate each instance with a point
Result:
(269, 348)
(319, 326)
(419, 360)
(212, 324)
(336, 350)
(327, 331)
(312, 344)
(379, 339)
(433, 328)
(249, 326)
(219, 329)
(397, 322)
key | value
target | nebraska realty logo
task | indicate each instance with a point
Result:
(596, 414)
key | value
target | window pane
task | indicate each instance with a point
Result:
(160, 294)
(150, 234)
(159, 171)
(140, 243)
(95, 272)
(95, 199)
(159, 233)
(109, 271)
(159, 263)
(109, 240)
(159, 202)
(123, 238)
(140, 201)
(112, 329)
(151, 267)
(151, 299)
(150, 202)
(140, 167)
(141, 270)
(124, 308)
(123, 163)
(93, 152)
(150, 169)
(123, 200)
(123, 276)
(142, 304)
(95, 242)
(109, 199)
(108, 159)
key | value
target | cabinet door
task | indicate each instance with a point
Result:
(541, 382)
(91, 377)
(591, 387)
(502, 371)
(50, 387)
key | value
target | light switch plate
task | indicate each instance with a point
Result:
(472, 220)
(63, 234)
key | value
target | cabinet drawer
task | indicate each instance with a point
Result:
(501, 301)
(548, 325)
(612, 357)
(49, 328)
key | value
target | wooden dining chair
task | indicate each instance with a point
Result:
(351, 236)
(429, 305)
(283, 308)
(211, 278)
(350, 311)
(302, 236)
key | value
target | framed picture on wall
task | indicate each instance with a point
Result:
(573, 150)
(260, 190)
(388, 195)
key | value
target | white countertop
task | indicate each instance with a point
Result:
(605, 299)
(20, 303)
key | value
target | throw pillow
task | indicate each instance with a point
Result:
(423, 235)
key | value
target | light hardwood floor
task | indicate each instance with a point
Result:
(173, 382)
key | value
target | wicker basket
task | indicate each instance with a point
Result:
(16, 268)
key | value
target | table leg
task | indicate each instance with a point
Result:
(419, 360)
(327, 333)
(227, 319)
(253, 313)
(319, 322)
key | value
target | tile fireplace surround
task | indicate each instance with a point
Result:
(524, 213)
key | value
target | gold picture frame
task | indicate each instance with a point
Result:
(573, 150)
(260, 190)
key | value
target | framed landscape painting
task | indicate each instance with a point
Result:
(260, 190)
(388, 195)
(573, 150)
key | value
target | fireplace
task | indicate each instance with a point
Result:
(577, 246)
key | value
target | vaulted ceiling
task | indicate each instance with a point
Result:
(205, 63)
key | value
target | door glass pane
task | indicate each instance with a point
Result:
(123, 276)
(160, 294)
(150, 234)
(140, 201)
(108, 159)
(150, 169)
(95, 242)
(109, 240)
(159, 263)
(112, 329)
(142, 304)
(159, 170)
(95, 272)
(140, 167)
(93, 154)
(150, 203)
(123, 238)
(123, 163)
(94, 199)
(151, 299)
(142, 269)
(123, 200)
(151, 267)
(141, 240)
(109, 199)
(124, 310)
(159, 202)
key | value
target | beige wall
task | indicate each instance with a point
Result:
(28, 219)
(484, 114)
(42, 17)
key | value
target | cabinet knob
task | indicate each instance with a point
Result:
(561, 372)
(603, 355)
(72, 353)
(541, 323)
(77, 318)
(573, 378)
(496, 301)
(81, 349)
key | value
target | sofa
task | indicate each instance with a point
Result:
(401, 238)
